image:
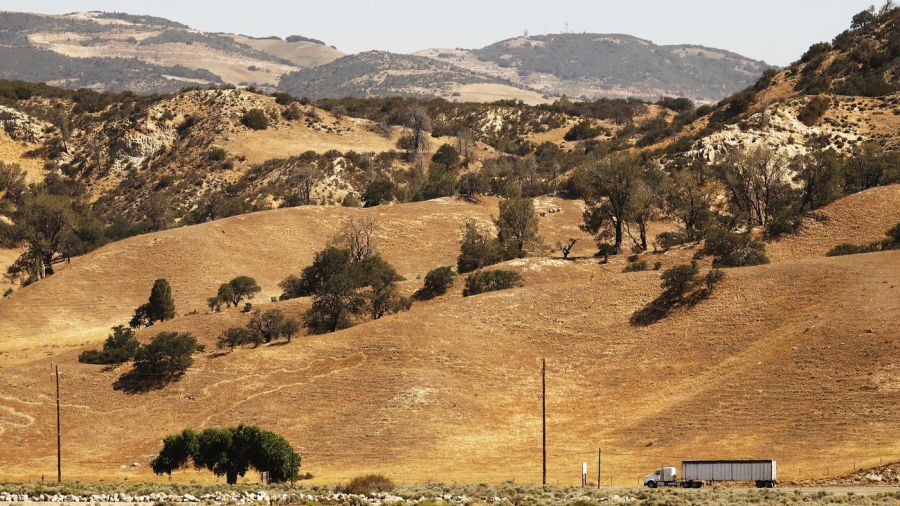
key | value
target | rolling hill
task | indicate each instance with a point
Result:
(592, 65)
(795, 360)
(144, 54)
(384, 74)
(116, 51)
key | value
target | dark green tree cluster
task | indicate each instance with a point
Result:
(229, 451)
(490, 281)
(163, 359)
(233, 292)
(517, 237)
(346, 283)
(263, 327)
(620, 191)
(50, 221)
(478, 249)
(437, 282)
(255, 119)
(166, 356)
(732, 249)
(584, 130)
(160, 307)
(120, 346)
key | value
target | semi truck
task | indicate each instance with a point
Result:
(696, 473)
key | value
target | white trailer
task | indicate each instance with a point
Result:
(695, 473)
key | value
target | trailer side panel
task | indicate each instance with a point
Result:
(728, 470)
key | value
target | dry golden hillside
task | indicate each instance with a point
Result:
(94, 293)
(796, 360)
(859, 218)
(774, 365)
(12, 151)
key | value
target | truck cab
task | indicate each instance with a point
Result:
(661, 477)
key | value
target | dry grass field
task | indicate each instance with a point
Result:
(290, 139)
(14, 152)
(796, 360)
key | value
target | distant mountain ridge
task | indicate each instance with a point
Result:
(381, 73)
(589, 65)
(116, 51)
(145, 54)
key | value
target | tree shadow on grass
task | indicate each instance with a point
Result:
(135, 382)
(664, 305)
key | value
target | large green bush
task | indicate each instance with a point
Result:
(730, 249)
(437, 282)
(489, 281)
(255, 119)
(167, 356)
(813, 110)
(120, 346)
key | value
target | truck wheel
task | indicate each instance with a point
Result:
(760, 484)
(651, 484)
(698, 484)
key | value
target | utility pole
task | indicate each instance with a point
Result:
(58, 437)
(544, 419)
(599, 463)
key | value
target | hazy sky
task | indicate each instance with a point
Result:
(777, 31)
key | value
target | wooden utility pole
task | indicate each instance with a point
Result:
(544, 419)
(599, 463)
(58, 436)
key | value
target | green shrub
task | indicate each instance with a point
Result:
(636, 266)
(367, 485)
(168, 355)
(292, 113)
(666, 240)
(583, 130)
(234, 337)
(817, 49)
(813, 110)
(713, 278)
(680, 279)
(120, 346)
(851, 249)
(489, 281)
(255, 119)
(216, 155)
(283, 99)
(893, 240)
(379, 191)
(730, 249)
(437, 281)
(351, 200)
(478, 249)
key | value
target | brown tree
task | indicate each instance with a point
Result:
(358, 236)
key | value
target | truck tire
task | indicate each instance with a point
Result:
(651, 484)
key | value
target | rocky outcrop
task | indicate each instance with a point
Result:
(22, 127)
